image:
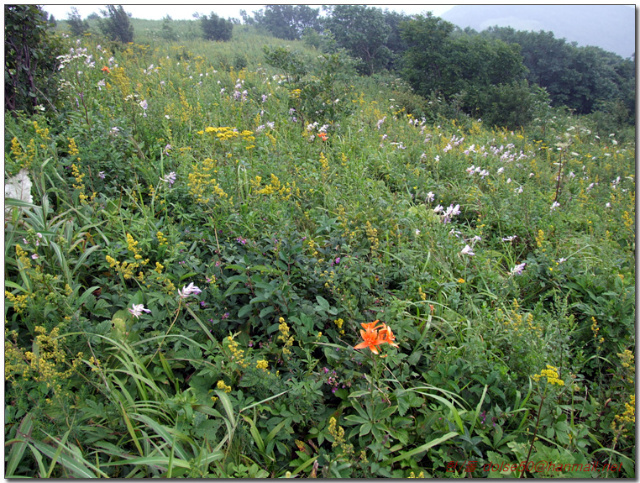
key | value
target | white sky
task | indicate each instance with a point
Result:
(185, 12)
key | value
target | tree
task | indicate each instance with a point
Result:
(287, 21)
(363, 32)
(31, 64)
(76, 24)
(116, 24)
(167, 31)
(422, 63)
(216, 28)
(576, 77)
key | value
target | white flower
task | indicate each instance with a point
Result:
(187, 290)
(509, 238)
(101, 175)
(170, 178)
(417, 232)
(554, 205)
(467, 251)
(144, 105)
(430, 196)
(18, 187)
(518, 269)
(438, 209)
(561, 260)
(475, 239)
(137, 309)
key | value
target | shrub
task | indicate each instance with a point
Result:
(216, 28)
(116, 24)
(30, 58)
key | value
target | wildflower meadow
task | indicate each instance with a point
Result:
(220, 265)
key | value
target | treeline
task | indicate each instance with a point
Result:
(506, 77)
(500, 73)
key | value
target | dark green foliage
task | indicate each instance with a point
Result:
(30, 58)
(116, 24)
(438, 61)
(287, 21)
(76, 24)
(576, 77)
(167, 31)
(216, 28)
(363, 32)
(512, 105)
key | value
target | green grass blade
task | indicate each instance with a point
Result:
(424, 447)
(19, 445)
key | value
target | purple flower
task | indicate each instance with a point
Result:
(518, 269)
(337, 260)
(101, 175)
(170, 178)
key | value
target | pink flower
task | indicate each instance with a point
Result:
(188, 290)
(467, 251)
(518, 269)
(137, 309)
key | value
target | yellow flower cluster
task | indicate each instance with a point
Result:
(227, 133)
(596, 330)
(339, 323)
(274, 187)
(629, 415)
(372, 235)
(423, 296)
(262, 364)
(413, 475)
(551, 373)
(125, 268)
(237, 354)
(337, 433)
(201, 181)
(73, 148)
(312, 247)
(324, 163)
(45, 363)
(19, 301)
(23, 158)
(162, 240)
(284, 336)
(23, 257)
(223, 387)
(540, 238)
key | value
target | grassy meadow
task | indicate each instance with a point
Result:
(207, 235)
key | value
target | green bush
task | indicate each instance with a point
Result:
(216, 28)
(115, 24)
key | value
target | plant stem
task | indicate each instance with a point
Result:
(535, 432)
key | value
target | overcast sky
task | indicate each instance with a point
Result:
(185, 12)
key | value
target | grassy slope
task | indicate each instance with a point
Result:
(277, 223)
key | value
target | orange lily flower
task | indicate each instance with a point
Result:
(323, 136)
(376, 334)
(106, 69)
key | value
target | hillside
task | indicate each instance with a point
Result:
(244, 260)
(610, 27)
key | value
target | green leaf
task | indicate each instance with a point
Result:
(245, 310)
(19, 445)
(420, 449)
